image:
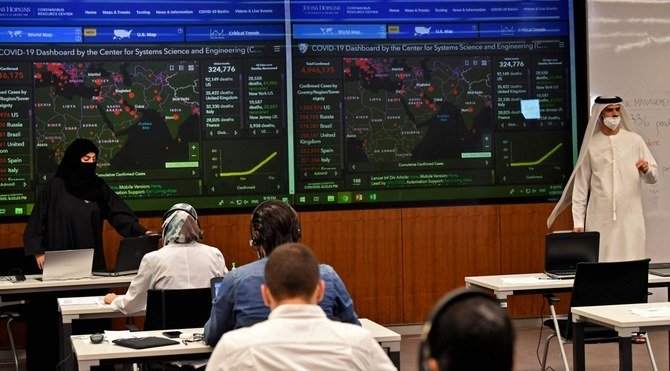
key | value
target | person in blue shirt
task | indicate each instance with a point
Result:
(239, 301)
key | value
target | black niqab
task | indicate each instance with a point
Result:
(80, 179)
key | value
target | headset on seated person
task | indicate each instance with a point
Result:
(171, 211)
(448, 301)
(261, 220)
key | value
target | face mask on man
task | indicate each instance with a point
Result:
(612, 122)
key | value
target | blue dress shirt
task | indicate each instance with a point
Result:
(239, 301)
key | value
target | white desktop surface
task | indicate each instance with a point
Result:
(502, 289)
(70, 312)
(89, 354)
(32, 284)
(619, 317)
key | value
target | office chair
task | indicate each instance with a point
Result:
(12, 311)
(177, 308)
(600, 284)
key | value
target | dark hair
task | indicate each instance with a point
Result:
(292, 271)
(473, 334)
(273, 223)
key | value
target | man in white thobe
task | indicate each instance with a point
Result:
(605, 186)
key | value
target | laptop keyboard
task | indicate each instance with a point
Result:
(563, 272)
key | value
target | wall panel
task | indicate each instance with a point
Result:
(365, 248)
(441, 246)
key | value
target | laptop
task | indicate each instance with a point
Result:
(660, 269)
(129, 256)
(67, 264)
(215, 283)
(564, 250)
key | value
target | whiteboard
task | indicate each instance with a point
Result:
(629, 56)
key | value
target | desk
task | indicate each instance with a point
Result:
(619, 318)
(89, 354)
(68, 313)
(388, 339)
(33, 285)
(501, 289)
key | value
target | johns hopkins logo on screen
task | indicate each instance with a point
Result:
(15, 10)
(321, 9)
(303, 47)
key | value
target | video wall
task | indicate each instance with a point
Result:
(224, 104)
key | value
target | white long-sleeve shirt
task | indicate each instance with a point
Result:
(614, 206)
(175, 266)
(299, 337)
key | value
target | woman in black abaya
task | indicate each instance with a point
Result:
(69, 214)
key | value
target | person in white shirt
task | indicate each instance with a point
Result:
(182, 263)
(605, 186)
(297, 335)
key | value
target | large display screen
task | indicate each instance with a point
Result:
(223, 104)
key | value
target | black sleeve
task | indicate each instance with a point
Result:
(36, 229)
(121, 217)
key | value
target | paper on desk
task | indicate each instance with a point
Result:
(656, 312)
(101, 304)
(84, 300)
(524, 280)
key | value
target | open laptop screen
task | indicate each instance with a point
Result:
(215, 283)
(130, 254)
(67, 264)
(565, 249)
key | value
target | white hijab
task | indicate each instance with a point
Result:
(593, 127)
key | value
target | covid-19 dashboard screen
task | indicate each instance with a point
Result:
(224, 104)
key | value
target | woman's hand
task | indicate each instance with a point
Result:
(109, 298)
(40, 260)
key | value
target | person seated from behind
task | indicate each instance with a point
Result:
(239, 302)
(297, 335)
(467, 330)
(182, 263)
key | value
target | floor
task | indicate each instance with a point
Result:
(599, 357)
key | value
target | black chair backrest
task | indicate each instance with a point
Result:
(611, 283)
(178, 308)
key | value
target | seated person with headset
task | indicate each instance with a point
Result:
(239, 302)
(467, 330)
(182, 263)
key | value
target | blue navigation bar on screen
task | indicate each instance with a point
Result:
(133, 34)
(218, 33)
(26, 35)
(339, 31)
(525, 29)
(109, 13)
(390, 11)
(433, 31)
